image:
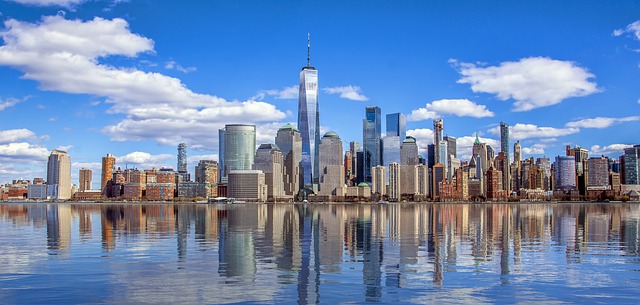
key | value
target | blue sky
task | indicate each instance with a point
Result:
(135, 78)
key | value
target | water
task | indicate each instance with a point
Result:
(329, 253)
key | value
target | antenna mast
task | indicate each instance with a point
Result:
(308, 49)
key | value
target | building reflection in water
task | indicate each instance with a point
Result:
(385, 247)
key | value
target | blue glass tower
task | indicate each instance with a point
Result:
(397, 125)
(371, 126)
(309, 121)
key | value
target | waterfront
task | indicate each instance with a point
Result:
(327, 253)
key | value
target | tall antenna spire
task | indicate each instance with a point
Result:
(308, 49)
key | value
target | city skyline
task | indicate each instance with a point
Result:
(576, 66)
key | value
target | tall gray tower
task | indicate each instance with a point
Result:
(309, 120)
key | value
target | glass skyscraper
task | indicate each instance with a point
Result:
(309, 121)
(239, 147)
(397, 125)
(504, 139)
(371, 126)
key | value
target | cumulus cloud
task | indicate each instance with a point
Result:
(633, 28)
(10, 102)
(287, 93)
(532, 82)
(14, 135)
(601, 122)
(171, 65)
(144, 160)
(63, 3)
(64, 55)
(535, 149)
(608, 149)
(349, 92)
(527, 131)
(23, 152)
(424, 137)
(458, 107)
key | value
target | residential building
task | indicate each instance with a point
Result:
(59, 175)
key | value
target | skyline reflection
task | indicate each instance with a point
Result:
(307, 253)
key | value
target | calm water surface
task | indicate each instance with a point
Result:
(330, 253)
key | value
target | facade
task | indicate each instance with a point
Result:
(354, 149)
(565, 173)
(207, 173)
(221, 172)
(371, 138)
(408, 180)
(289, 141)
(397, 125)
(108, 167)
(248, 185)
(309, 122)
(85, 178)
(182, 158)
(502, 165)
(409, 151)
(631, 165)
(504, 139)
(480, 149)
(378, 180)
(452, 146)
(438, 126)
(59, 175)
(269, 160)
(394, 182)
(598, 169)
(239, 147)
(331, 166)
(422, 181)
(390, 150)
(517, 153)
(438, 175)
(37, 191)
(443, 153)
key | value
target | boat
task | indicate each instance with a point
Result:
(223, 200)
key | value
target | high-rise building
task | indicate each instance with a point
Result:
(207, 172)
(409, 151)
(354, 148)
(59, 175)
(598, 169)
(390, 150)
(438, 175)
(397, 125)
(493, 183)
(108, 167)
(452, 144)
(239, 147)
(581, 155)
(565, 173)
(504, 139)
(631, 166)
(247, 185)
(443, 154)
(85, 179)
(221, 172)
(309, 120)
(394, 182)
(289, 141)
(182, 158)
(517, 153)
(431, 155)
(371, 138)
(502, 165)
(480, 149)
(331, 168)
(437, 138)
(545, 165)
(378, 180)
(269, 160)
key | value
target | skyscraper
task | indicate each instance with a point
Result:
(309, 120)
(108, 166)
(565, 173)
(290, 143)
(59, 175)
(397, 125)
(437, 138)
(269, 160)
(182, 158)
(221, 172)
(239, 147)
(371, 138)
(331, 167)
(631, 165)
(409, 151)
(354, 148)
(504, 139)
(85, 177)
(452, 145)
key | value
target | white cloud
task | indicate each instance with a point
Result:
(10, 102)
(144, 160)
(64, 3)
(608, 149)
(197, 158)
(601, 122)
(633, 28)
(532, 82)
(458, 107)
(526, 131)
(65, 147)
(63, 55)
(424, 137)
(23, 152)
(349, 92)
(173, 65)
(287, 93)
(93, 166)
(14, 135)
(535, 149)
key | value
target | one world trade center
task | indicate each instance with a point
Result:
(309, 122)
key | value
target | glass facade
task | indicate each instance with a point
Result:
(504, 139)
(371, 130)
(182, 158)
(309, 124)
(221, 173)
(397, 125)
(239, 147)
(631, 171)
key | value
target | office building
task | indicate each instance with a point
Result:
(289, 141)
(309, 121)
(598, 169)
(371, 138)
(269, 160)
(437, 139)
(206, 173)
(59, 175)
(221, 173)
(397, 125)
(378, 180)
(182, 158)
(239, 147)
(431, 155)
(631, 166)
(247, 185)
(504, 139)
(331, 166)
(452, 146)
(85, 178)
(108, 167)
(390, 150)
(480, 150)
(409, 151)
(565, 173)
